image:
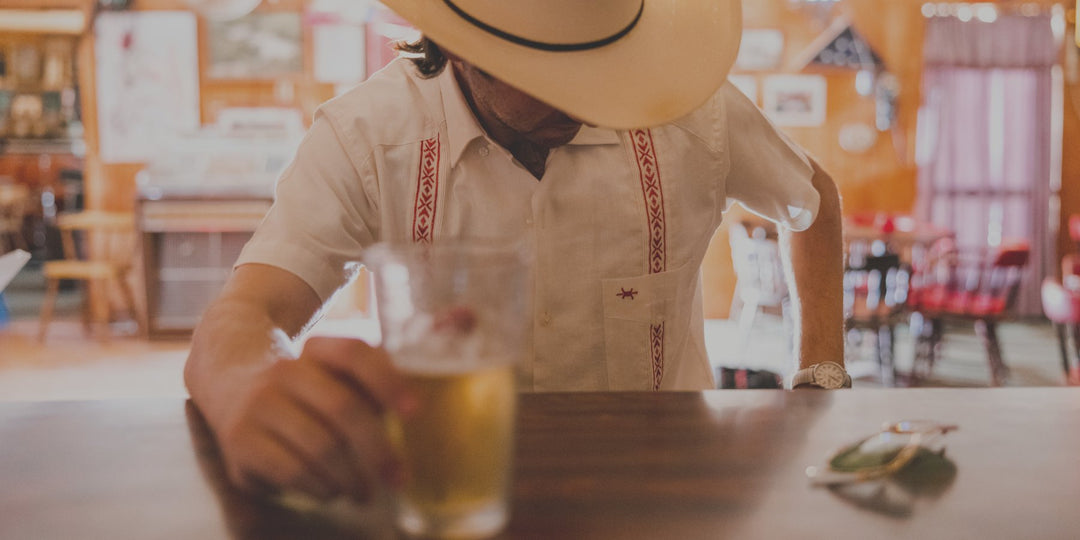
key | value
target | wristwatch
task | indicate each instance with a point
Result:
(827, 375)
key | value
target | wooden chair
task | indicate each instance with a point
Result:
(14, 201)
(964, 290)
(875, 298)
(105, 260)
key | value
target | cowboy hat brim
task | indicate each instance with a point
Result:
(676, 57)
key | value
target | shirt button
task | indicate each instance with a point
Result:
(529, 222)
(545, 319)
(483, 151)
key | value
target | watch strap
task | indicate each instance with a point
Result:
(808, 376)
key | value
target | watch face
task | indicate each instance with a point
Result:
(829, 375)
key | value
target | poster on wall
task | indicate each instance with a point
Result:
(795, 100)
(147, 81)
(256, 46)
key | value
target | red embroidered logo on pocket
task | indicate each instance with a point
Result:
(625, 294)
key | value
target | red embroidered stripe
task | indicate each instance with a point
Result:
(653, 192)
(656, 347)
(427, 192)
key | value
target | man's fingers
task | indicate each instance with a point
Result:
(367, 366)
(269, 462)
(313, 441)
(347, 414)
(316, 424)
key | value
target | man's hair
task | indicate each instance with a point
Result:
(425, 55)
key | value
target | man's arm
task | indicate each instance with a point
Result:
(247, 328)
(814, 264)
(311, 424)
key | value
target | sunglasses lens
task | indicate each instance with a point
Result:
(876, 451)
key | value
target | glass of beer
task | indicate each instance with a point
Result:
(455, 320)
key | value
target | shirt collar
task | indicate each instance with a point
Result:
(595, 135)
(462, 127)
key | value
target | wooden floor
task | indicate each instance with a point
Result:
(71, 367)
(1030, 349)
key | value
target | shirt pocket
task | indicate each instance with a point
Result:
(641, 327)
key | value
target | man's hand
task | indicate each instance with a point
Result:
(312, 424)
(315, 424)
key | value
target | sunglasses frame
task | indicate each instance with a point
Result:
(921, 431)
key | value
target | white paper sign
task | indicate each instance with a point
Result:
(339, 53)
(147, 81)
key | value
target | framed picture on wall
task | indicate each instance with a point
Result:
(795, 100)
(256, 46)
(761, 49)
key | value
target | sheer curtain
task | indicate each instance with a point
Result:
(985, 136)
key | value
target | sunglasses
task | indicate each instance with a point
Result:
(881, 454)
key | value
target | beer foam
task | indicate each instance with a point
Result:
(443, 364)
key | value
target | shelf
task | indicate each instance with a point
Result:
(43, 146)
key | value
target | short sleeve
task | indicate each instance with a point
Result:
(770, 175)
(321, 217)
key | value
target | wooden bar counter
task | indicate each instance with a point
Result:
(725, 464)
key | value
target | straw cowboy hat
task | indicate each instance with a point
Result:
(615, 63)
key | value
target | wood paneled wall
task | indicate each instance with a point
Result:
(883, 179)
(111, 186)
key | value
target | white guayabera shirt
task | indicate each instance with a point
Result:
(620, 221)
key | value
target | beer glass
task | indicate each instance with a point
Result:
(455, 319)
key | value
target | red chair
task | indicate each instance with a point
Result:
(958, 289)
(1062, 307)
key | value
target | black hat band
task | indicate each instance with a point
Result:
(544, 46)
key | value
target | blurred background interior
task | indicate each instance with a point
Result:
(140, 141)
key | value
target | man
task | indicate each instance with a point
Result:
(492, 133)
